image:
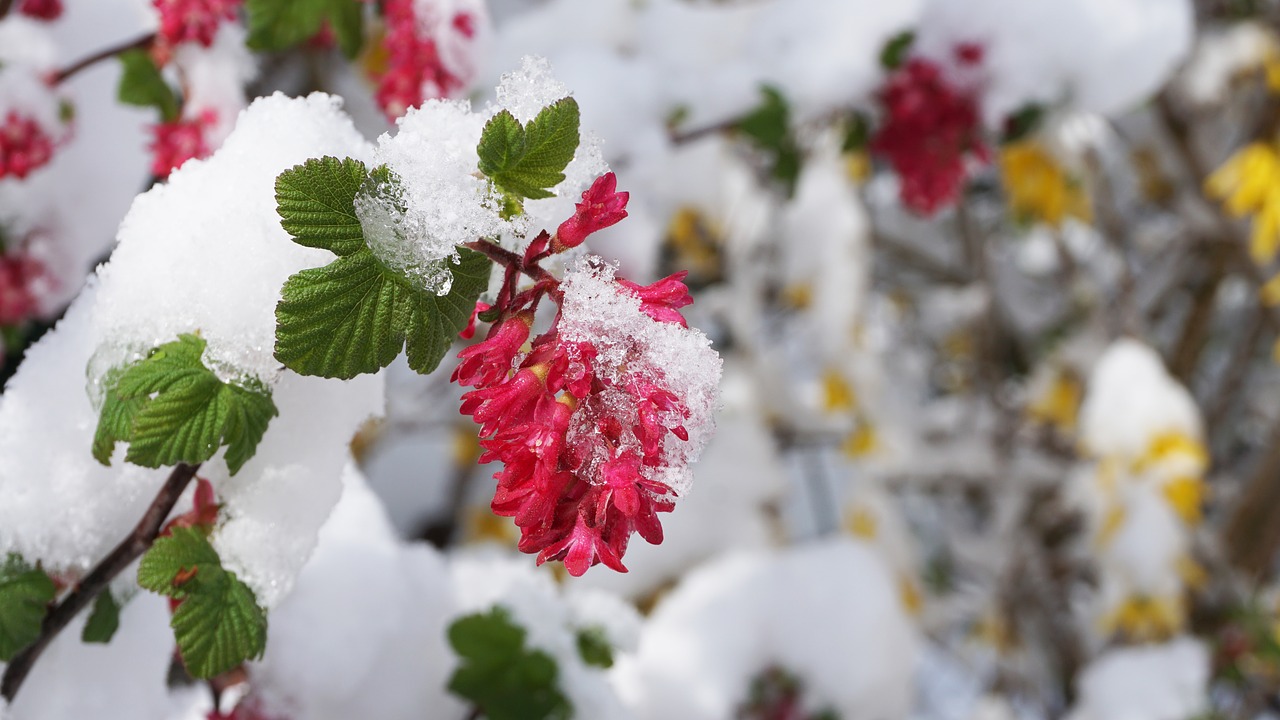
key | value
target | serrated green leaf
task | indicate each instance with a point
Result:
(142, 84)
(594, 647)
(528, 161)
(103, 621)
(499, 675)
(25, 595)
(184, 554)
(219, 626)
(316, 202)
(170, 408)
(894, 52)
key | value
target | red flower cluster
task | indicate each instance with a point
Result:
(47, 10)
(416, 70)
(179, 141)
(581, 436)
(929, 128)
(24, 145)
(19, 276)
(193, 20)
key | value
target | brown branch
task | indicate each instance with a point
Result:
(1185, 355)
(5, 7)
(130, 549)
(508, 259)
(683, 138)
(140, 43)
(1237, 370)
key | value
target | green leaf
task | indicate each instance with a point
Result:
(316, 202)
(103, 621)
(25, 595)
(282, 24)
(857, 132)
(142, 84)
(894, 52)
(1022, 122)
(170, 408)
(768, 126)
(219, 627)
(219, 624)
(355, 315)
(594, 647)
(499, 675)
(184, 555)
(528, 161)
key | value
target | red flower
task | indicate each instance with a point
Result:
(600, 208)
(929, 129)
(19, 275)
(41, 9)
(24, 145)
(416, 70)
(662, 300)
(490, 360)
(193, 20)
(179, 141)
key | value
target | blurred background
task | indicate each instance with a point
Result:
(994, 282)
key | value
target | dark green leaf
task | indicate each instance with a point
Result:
(528, 161)
(499, 675)
(768, 126)
(594, 647)
(142, 84)
(25, 595)
(170, 408)
(894, 52)
(282, 24)
(103, 621)
(857, 132)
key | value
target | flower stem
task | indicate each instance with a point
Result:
(508, 259)
(130, 549)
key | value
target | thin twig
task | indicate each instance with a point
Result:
(142, 42)
(130, 549)
(5, 7)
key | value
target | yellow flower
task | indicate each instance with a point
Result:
(837, 393)
(1248, 183)
(1186, 496)
(861, 442)
(1143, 619)
(1038, 186)
(1058, 404)
(862, 523)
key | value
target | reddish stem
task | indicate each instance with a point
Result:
(509, 260)
(142, 42)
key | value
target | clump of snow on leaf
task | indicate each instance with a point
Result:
(1153, 682)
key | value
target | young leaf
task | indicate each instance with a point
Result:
(354, 315)
(177, 561)
(103, 621)
(170, 408)
(499, 675)
(142, 84)
(528, 161)
(218, 624)
(25, 595)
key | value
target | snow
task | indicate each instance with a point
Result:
(1154, 682)
(598, 310)
(1222, 54)
(827, 612)
(1034, 50)
(1130, 399)
(214, 79)
(391, 664)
